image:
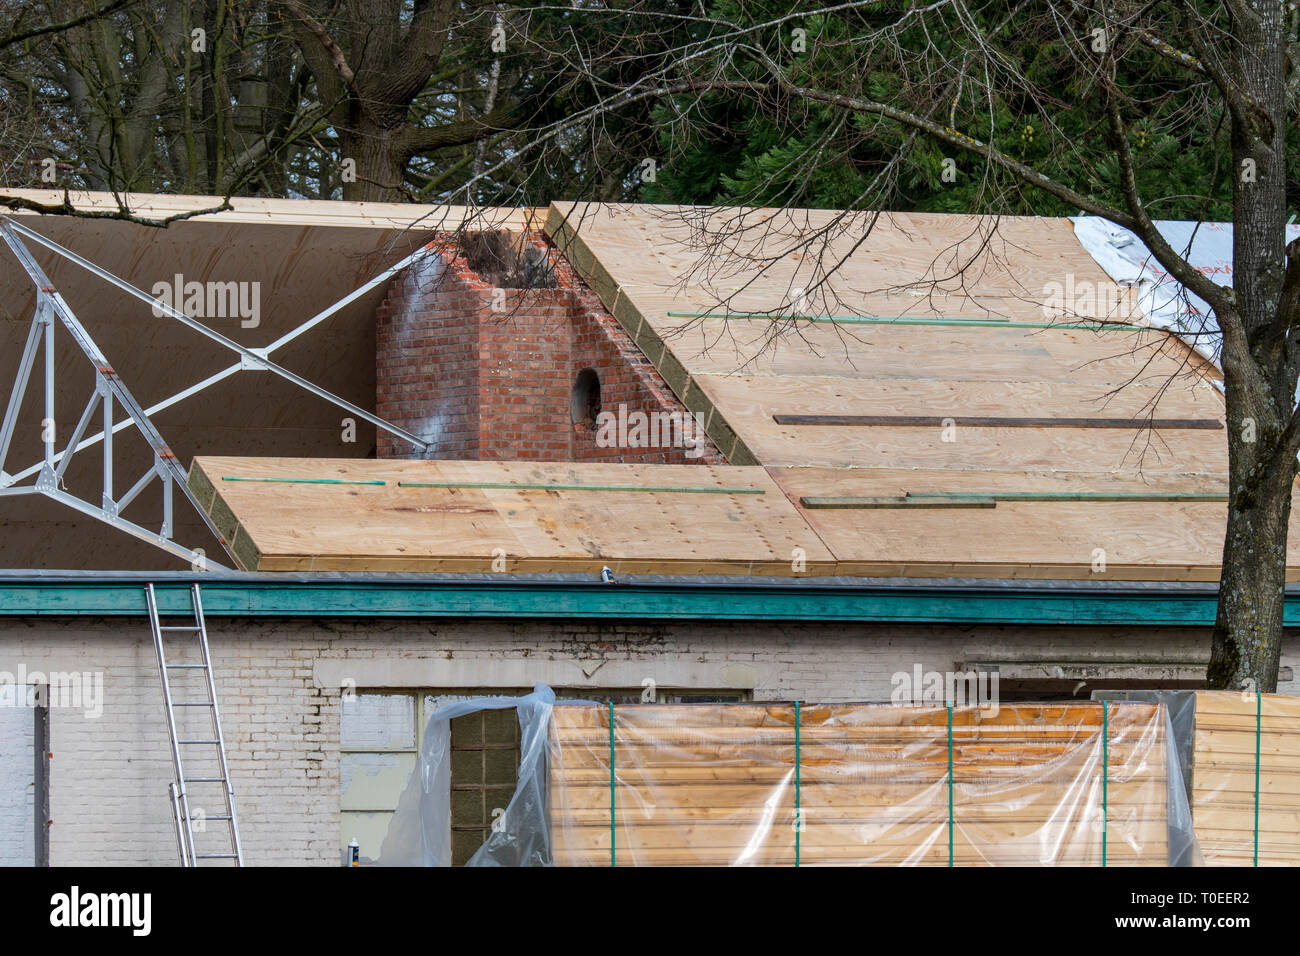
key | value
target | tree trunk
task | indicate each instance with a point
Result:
(380, 172)
(1247, 645)
(1247, 638)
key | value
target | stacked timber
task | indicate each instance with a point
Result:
(858, 784)
(1244, 746)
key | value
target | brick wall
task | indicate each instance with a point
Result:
(280, 680)
(427, 361)
(488, 373)
(17, 787)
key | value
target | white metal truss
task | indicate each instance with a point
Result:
(109, 387)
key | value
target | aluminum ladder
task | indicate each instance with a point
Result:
(200, 741)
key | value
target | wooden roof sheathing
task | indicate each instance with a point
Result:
(657, 271)
(751, 402)
(687, 519)
(335, 515)
(1130, 540)
(645, 263)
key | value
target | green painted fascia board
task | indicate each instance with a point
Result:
(640, 602)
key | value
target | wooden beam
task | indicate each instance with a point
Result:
(826, 503)
(955, 499)
(870, 778)
(1245, 791)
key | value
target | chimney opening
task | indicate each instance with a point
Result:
(506, 260)
(584, 400)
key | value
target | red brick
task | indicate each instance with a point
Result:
(497, 385)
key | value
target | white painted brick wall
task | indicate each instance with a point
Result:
(279, 687)
(17, 788)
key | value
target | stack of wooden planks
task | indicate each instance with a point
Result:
(858, 784)
(1244, 746)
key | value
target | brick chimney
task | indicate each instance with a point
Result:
(494, 349)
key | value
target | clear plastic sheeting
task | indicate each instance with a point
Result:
(1078, 784)
(1180, 706)
(1239, 756)
(863, 784)
(1165, 302)
(420, 831)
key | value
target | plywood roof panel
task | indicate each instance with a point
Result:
(318, 515)
(752, 402)
(647, 263)
(656, 266)
(676, 278)
(1138, 540)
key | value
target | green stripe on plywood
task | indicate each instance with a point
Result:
(992, 421)
(306, 481)
(562, 486)
(1091, 495)
(828, 503)
(909, 320)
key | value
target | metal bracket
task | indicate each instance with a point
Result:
(254, 361)
(45, 481)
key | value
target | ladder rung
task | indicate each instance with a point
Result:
(201, 667)
(204, 780)
(198, 741)
(210, 818)
(192, 703)
(214, 856)
(190, 627)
